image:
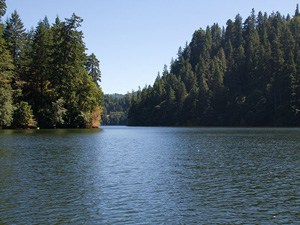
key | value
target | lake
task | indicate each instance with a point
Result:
(136, 175)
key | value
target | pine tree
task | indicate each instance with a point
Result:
(69, 77)
(238, 32)
(6, 93)
(15, 37)
(93, 68)
(187, 75)
(37, 89)
(2, 8)
(297, 11)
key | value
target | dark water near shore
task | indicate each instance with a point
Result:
(132, 175)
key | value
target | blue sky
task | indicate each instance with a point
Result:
(133, 39)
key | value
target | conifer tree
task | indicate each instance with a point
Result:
(15, 36)
(297, 11)
(2, 8)
(6, 92)
(93, 68)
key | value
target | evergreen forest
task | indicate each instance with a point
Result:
(244, 74)
(46, 78)
(115, 110)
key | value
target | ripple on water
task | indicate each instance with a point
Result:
(125, 175)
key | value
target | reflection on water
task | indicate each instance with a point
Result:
(126, 175)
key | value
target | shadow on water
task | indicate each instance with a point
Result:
(50, 131)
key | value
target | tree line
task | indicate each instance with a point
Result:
(244, 74)
(46, 78)
(116, 108)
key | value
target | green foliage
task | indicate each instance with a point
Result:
(46, 77)
(116, 108)
(58, 112)
(2, 8)
(244, 74)
(15, 37)
(6, 109)
(6, 92)
(22, 115)
(92, 67)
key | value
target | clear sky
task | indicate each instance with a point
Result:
(133, 39)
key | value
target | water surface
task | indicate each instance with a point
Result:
(134, 175)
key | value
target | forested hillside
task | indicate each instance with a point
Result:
(116, 108)
(245, 74)
(46, 78)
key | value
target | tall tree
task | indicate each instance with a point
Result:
(38, 91)
(15, 37)
(297, 11)
(6, 94)
(2, 8)
(93, 68)
(70, 78)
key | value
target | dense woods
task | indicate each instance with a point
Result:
(115, 110)
(46, 78)
(244, 74)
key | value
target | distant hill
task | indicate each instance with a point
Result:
(116, 108)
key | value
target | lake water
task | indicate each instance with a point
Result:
(134, 175)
